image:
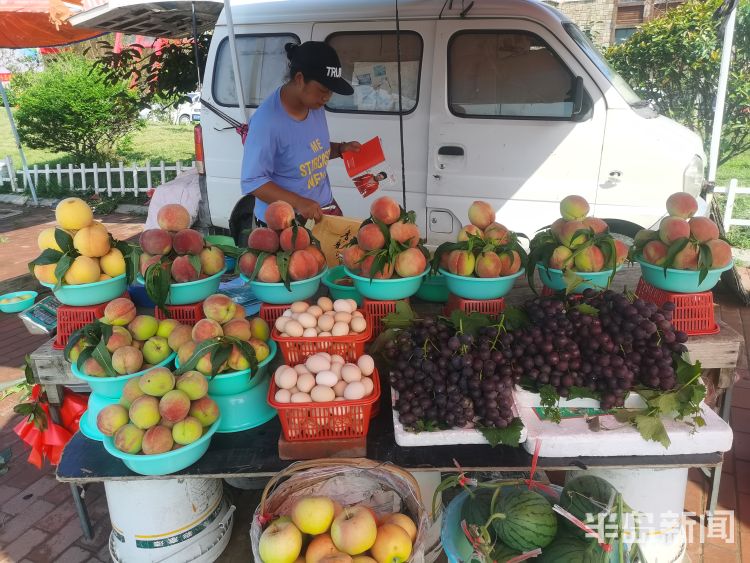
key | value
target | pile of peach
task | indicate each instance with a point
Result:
(324, 378)
(282, 235)
(325, 318)
(582, 240)
(691, 233)
(224, 318)
(137, 341)
(388, 223)
(354, 534)
(159, 412)
(178, 248)
(95, 260)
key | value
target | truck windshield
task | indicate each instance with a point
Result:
(596, 57)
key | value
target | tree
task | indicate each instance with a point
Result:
(69, 107)
(674, 61)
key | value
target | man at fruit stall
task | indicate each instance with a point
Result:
(288, 145)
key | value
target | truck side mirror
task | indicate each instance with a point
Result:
(577, 97)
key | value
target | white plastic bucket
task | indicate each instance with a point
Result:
(168, 520)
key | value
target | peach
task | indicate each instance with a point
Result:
(45, 273)
(127, 359)
(687, 258)
(411, 262)
(721, 253)
(113, 263)
(406, 233)
(143, 327)
(573, 208)
(621, 252)
(561, 258)
(655, 252)
(568, 234)
(703, 229)
(93, 368)
(511, 263)
(590, 259)
(155, 241)
(643, 236)
(467, 230)
(247, 263)
(187, 241)
(187, 431)
(269, 271)
(212, 260)
(259, 329)
(385, 210)
(481, 214)
(83, 270)
(111, 418)
(144, 412)
(352, 257)
(488, 265)
(672, 229)
(119, 312)
(166, 327)
(193, 383)
(239, 311)
(597, 225)
(46, 239)
(301, 240)
(104, 277)
(173, 217)
(557, 226)
(120, 337)
(183, 270)
(205, 410)
(682, 205)
(156, 382)
(302, 265)
(205, 366)
(76, 350)
(92, 241)
(186, 351)
(497, 233)
(260, 348)
(320, 258)
(264, 240)
(218, 307)
(385, 273)
(147, 260)
(461, 263)
(239, 328)
(72, 213)
(370, 237)
(129, 439)
(157, 440)
(237, 360)
(131, 392)
(279, 215)
(174, 405)
(205, 329)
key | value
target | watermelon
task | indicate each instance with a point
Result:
(502, 553)
(476, 509)
(526, 520)
(586, 495)
(570, 549)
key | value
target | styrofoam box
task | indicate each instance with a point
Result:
(440, 437)
(524, 398)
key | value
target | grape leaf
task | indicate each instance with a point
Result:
(469, 323)
(685, 371)
(582, 393)
(587, 309)
(508, 436)
(666, 403)
(549, 399)
(514, 318)
(402, 317)
(652, 428)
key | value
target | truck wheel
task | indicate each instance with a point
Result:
(183, 119)
(623, 230)
(242, 220)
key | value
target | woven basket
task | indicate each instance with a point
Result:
(349, 482)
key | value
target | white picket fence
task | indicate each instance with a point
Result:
(732, 191)
(108, 178)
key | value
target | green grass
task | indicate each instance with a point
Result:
(739, 168)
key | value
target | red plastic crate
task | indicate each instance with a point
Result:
(270, 313)
(70, 319)
(297, 350)
(693, 313)
(492, 307)
(307, 422)
(185, 314)
(375, 311)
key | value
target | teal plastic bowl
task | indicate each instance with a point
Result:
(553, 279)
(387, 290)
(112, 386)
(166, 463)
(434, 289)
(238, 381)
(480, 288)
(247, 409)
(87, 423)
(191, 292)
(340, 291)
(18, 306)
(277, 294)
(90, 293)
(679, 281)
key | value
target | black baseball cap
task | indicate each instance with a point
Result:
(318, 61)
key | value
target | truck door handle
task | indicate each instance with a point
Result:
(450, 150)
(615, 174)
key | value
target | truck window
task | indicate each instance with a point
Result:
(507, 74)
(369, 62)
(263, 65)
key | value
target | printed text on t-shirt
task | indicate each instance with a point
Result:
(315, 169)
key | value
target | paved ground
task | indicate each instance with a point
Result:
(37, 518)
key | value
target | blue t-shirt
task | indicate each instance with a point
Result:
(293, 154)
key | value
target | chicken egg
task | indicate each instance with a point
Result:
(366, 364)
(282, 396)
(357, 314)
(301, 368)
(337, 359)
(300, 397)
(315, 311)
(293, 390)
(336, 368)
(310, 333)
(307, 320)
(299, 307)
(369, 385)
(324, 333)
(287, 313)
(352, 305)
(281, 323)
(358, 324)
(327, 378)
(305, 382)
(325, 303)
(342, 317)
(354, 391)
(342, 306)
(339, 388)
(286, 378)
(317, 363)
(340, 329)
(325, 323)
(322, 394)
(294, 329)
(350, 372)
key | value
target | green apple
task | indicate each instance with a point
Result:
(281, 542)
(166, 327)
(156, 349)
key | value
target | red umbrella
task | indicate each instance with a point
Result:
(40, 23)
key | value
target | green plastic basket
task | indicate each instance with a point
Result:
(90, 293)
(434, 289)
(191, 292)
(680, 281)
(340, 291)
(278, 294)
(18, 306)
(387, 290)
(480, 288)
(554, 280)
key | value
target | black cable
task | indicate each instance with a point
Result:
(400, 108)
